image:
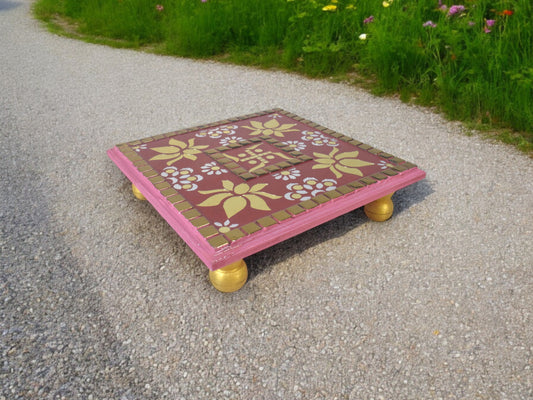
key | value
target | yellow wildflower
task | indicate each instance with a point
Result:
(330, 7)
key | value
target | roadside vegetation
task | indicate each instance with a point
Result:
(471, 59)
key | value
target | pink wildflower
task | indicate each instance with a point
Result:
(456, 10)
(430, 24)
(159, 7)
(368, 20)
(488, 23)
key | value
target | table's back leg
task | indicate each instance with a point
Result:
(137, 193)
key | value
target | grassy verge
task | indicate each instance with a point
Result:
(472, 60)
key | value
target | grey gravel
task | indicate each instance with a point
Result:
(100, 299)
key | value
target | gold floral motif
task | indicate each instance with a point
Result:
(176, 150)
(271, 127)
(236, 198)
(343, 162)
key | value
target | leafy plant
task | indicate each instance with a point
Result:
(473, 58)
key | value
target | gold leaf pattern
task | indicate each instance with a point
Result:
(346, 162)
(257, 202)
(213, 200)
(176, 150)
(271, 127)
(233, 205)
(237, 198)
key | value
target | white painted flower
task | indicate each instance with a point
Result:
(362, 36)
(297, 192)
(188, 184)
(295, 145)
(384, 164)
(319, 139)
(213, 168)
(309, 188)
(182, 179)
(231, 140)
(218, 132)
(325, 185)
(170, 174)
(139, 147)
(226, 226)
(287, 174)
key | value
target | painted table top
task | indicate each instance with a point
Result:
(235, 187)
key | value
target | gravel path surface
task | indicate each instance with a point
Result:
(100, 299)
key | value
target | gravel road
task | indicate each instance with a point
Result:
(100, 299)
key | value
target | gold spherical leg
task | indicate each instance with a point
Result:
(137, 193)
(380, 209)
(229, 278)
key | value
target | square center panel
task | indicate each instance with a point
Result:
(255, 157)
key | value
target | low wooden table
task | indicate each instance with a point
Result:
(238, 186)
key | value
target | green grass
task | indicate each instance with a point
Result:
(453, 63)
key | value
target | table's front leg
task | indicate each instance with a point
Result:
(229, 278)
(380, 209)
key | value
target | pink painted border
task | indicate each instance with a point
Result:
(266, 237)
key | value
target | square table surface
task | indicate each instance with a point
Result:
(238, 186)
